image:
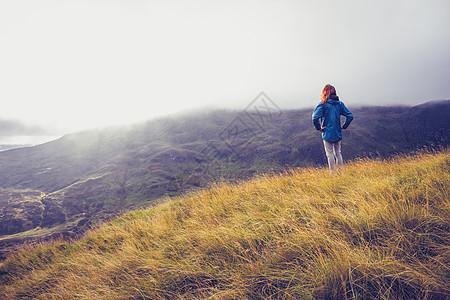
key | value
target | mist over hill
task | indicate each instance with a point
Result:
(67, 185)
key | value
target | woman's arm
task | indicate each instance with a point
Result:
(317, 115)
(347, 113)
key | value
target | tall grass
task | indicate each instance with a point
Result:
(379, 230)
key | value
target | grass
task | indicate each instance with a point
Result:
(379, 230)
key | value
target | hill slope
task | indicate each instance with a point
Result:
(379, 230)
(90, 177)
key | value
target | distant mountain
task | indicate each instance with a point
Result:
(16, 134)
(81, 179)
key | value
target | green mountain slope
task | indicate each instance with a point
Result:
(379, 230)
(89, 177)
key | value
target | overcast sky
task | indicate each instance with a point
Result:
(80, 64)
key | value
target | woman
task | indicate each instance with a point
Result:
(327, 119)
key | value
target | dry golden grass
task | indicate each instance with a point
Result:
(379, 230)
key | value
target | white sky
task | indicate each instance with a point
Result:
(76, 64)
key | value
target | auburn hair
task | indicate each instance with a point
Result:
(326, 92)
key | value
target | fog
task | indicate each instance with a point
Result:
(72, 65)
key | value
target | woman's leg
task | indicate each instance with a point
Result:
(330, 155)
(338, 154)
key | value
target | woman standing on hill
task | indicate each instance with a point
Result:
(327, 119)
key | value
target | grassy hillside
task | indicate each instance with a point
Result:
(379, 230)
(90, 177)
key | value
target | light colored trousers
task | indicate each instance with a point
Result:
(334, 156)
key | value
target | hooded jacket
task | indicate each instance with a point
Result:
(329, 115)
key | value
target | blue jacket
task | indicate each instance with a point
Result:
(329, 115)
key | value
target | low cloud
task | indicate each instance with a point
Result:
(14, 128)
(14, 134)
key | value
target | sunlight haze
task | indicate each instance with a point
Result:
(73, 65)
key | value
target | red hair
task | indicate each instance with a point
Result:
(326, 92)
